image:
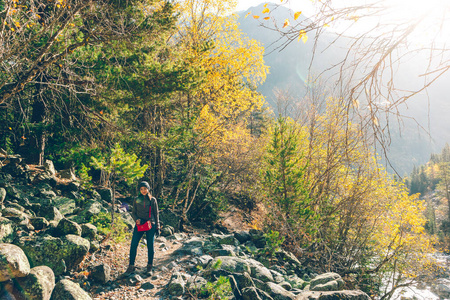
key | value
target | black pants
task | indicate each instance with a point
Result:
(137, 235)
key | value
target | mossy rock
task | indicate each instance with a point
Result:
(66, 226)
(38, 284)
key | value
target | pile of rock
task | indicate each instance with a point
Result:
(240, 258)
(45, 230)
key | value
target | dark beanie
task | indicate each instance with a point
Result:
(144, 184)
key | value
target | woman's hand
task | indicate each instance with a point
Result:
(138, 222)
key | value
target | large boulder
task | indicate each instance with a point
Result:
(45, 250)
(39, 283)
(68, 290)
(333, 295)
(259, 271)
(231, 264)
(66, 226)
(74, 251)
(13, 262)
(59, 254)
(327, 282)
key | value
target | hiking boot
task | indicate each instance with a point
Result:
(130, 269)
(149, 269)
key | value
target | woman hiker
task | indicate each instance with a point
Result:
(145, 210)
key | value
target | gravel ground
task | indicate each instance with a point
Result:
(137, 285)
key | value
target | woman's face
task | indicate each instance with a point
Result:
(144, 190)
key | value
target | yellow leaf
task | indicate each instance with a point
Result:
(265, 5)
(286, 23)
(297, 14)
(10, 128)
(326, 25)
(12, 29)
(247, 14)
(266, 10)
(266, 18)
(17, 24)
(255, 17)
(302, 36)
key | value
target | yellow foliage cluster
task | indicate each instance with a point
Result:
(364, 212)
(232, 62)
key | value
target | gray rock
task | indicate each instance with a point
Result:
(259, 271)
(101, 273)
(128, 219)
(50, 213)
(6, 230)
(15, 214)
(13, 262)
(176, 286)
(327, 282)
(231, 264)
(75, 249)
(66, 206)
(243, 280)
(147, 286)
(289, 258)
(178, 236)
(277, 277)
(39, 223)
(66, 226)
(2, 195)
(226, 239)
(286, 285)
(204, 260)
(224, 250)
(243, 236)
(88, 231)
(341, 295)
(38, 284)
(277, 292)
(68, 290)
(167, 230)
(47, 195)
(169, 218)
(296, 282)
(192, 246)
(50, 167)
(56, 253)
(67, 174)
(195, 284)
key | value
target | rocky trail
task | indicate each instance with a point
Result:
(53, 246)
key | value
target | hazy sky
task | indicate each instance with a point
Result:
(293, 4)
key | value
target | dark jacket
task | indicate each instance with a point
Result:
(141, 206)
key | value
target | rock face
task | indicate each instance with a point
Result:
(13, 262)
(38, 284)
(68, 290)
